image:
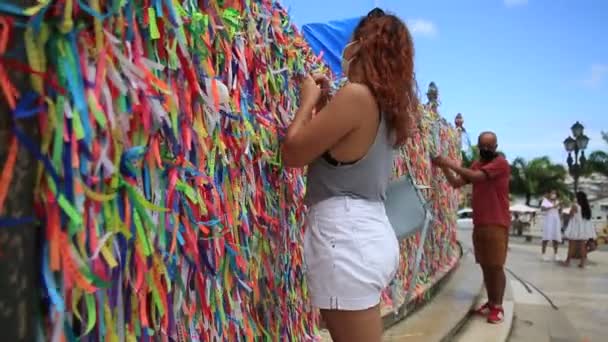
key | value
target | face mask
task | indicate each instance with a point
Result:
(345, 64)
(487, 155)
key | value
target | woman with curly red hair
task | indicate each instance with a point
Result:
(350, 249)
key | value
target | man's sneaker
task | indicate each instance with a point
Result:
(483, 310)
(496, 315)
(556, 257)
(546, 257)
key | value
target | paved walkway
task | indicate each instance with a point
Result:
(580, 295)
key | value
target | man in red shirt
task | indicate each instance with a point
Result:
(491, 216)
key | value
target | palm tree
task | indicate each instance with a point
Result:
(537, 177)
(598, 160)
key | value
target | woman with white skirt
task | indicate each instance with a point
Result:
(580, 229)
(551, 224)
(351, 252)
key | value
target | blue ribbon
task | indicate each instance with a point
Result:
(11, 9)
(7, 221)
(33, 149)
(49, 281)
(25, 107)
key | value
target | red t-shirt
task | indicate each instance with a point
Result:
(491, 195)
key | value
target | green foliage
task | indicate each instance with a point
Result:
(537, 177)
(470, 156)
(597, 162)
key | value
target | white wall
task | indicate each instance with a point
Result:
(599, 208)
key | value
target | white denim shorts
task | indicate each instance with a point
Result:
(351, 253)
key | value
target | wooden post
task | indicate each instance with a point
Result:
(19, 261)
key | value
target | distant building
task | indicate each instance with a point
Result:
(595, 186)
(599, 208)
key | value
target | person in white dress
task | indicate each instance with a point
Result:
(580, 229)
(551, 224)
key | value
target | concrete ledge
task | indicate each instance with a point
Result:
(478, 329)
(423, 296)
(441, 317)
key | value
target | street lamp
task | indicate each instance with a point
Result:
(576, 144)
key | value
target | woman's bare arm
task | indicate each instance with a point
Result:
(308, 137)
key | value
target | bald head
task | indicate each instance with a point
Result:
(488, 141)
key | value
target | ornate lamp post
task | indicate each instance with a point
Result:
(432, 95)
(459, 123)
(576, 143)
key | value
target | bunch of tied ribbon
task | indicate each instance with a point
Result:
(166, 210)
(433, 136)
(441, 242)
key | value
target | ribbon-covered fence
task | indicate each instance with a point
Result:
(165, 210)
(432, 251)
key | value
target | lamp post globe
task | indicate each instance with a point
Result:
(577, 129)
(575, 145)
(582, 141)
(569, 144)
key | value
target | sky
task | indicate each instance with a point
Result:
(525, 69)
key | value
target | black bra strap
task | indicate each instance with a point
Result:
(332, 161)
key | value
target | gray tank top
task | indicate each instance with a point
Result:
(367, 178)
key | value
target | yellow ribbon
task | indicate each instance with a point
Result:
(97, 196)
(67, 24)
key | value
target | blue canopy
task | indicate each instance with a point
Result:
(330, 38)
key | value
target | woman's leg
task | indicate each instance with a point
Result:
(571, 249)
(583, 253)
(555, 246)
(354, 326)
(544, 246)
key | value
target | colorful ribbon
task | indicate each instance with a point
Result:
(167, 211)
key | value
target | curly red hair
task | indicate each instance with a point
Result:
(385, 54)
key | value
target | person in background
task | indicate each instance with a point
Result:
(351, 252)
(517, 224)
(551, 224)
(526, 220)
(491, 217)
(580, 229)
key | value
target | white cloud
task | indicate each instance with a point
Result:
(422, 27)
(597, 74)
(515, 3)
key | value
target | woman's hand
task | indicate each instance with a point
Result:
(323, 82)
(439, 161)
(310, 92)
(443, 162)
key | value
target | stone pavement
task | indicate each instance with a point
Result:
(450, 306)
(581, 296)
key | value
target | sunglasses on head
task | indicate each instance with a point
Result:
(376, 12)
